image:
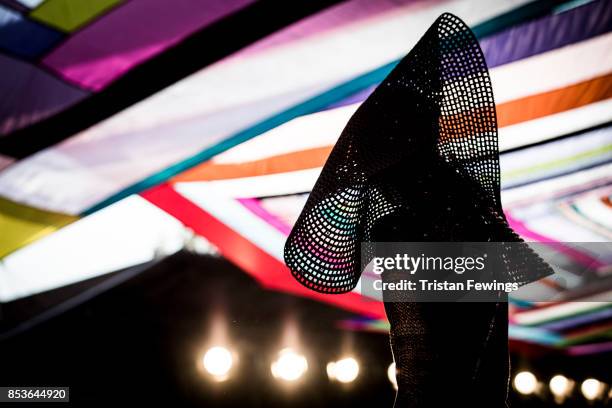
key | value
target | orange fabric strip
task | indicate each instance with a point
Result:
(509, 113)
(282, 163)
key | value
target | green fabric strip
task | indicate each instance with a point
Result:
(590, 154)
(69, 15)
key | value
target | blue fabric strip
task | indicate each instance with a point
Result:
(25, 38)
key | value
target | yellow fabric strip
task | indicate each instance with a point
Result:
(68, 15)
(21, 225)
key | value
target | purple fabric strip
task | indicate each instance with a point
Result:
(535, 37)
(578, 320)
(587, 349)
(31, 94)
(131, 34)
(548, 33)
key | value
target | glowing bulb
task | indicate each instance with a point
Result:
(218, 361)
(525, 382)
(331, 370)
(392, 375)
(560, 385)
(289, 366)
(591, 389)
(345, 370)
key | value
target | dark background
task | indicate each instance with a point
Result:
(139, 342)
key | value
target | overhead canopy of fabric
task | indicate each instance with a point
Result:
(231, 151)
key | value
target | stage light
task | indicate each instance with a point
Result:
(592, 389)
(289, 366)
(344, 370)
(218, 361)
(525, 382)
(560, 386)
(392, 375)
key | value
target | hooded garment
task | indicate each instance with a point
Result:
(423, 147)
(419, 162)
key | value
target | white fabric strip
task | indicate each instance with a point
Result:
(263, 186)
(130, 232)
(306, 132)
(552, 224)
(555, 69)
(236, 216)
(551, 126)
(303, 180)
(558, 186)
(557, 150)
(211, 105)
(323, 129)
(596, 210)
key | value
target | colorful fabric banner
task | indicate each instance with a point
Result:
(209, 107)
(129, 35)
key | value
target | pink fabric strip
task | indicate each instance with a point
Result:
(589, 349)
(334, 18)
(131, 34)
(253, 205)
(580, 257)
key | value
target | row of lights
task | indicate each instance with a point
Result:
(561, 387)
(289, 366)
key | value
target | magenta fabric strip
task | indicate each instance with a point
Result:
(580, 257)
(587, 349)
(255, 207)
(131, 34)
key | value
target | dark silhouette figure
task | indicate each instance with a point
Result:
(419, 162)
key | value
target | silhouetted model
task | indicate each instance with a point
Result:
(419, 161)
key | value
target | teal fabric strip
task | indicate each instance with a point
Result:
(528, 11)
(534, 334)
(517, 16)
